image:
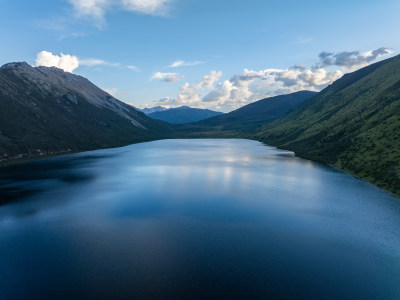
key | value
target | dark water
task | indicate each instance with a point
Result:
(195, 219)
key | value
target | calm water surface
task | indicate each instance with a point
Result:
(194, 219)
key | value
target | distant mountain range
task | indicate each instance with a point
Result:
(46, 111)
(182, 114)
(153, 109)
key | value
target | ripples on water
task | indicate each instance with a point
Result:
(194, 219)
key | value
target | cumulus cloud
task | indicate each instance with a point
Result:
(351, 59)
(97, 9)
(65, 62)
(167, 77)
(189, 94)
(208, 80)
(311, 79)
(182, 63)
(69, 63)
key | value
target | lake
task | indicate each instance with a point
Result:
(195, 219)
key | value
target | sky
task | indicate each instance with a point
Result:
(211, 54)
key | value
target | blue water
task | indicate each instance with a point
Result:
(195, 219)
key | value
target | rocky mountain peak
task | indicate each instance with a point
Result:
(56, 83)
(16, 65)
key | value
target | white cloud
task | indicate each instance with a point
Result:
(65, 62)
(182, 63)
(229, 95)
(208, 80)
(92, 62)
(189, 94)
(150, 7)
(351, 60)
(94, 8)
(97, 9)
(167, 77)
(133, 68)
(221, 93)
(298, 79)
(69, 63)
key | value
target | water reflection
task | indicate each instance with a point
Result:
(194, 219)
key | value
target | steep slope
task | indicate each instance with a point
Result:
(46, 111)
(244, 121)
(353, 124)
(184, 114)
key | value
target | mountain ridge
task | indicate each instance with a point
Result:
(149, 110)
(45, 111)
(184, 114)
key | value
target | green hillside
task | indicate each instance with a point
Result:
(353, 124)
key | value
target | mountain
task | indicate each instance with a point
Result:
(46, 111)
(183, 114)
(153, 109)
(244, 121)
(354, 124)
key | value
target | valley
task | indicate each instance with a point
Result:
(353, 124)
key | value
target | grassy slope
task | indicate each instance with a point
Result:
(353, 124)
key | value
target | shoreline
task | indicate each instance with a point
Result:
(33, 158)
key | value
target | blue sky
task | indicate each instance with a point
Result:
(212, 54)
